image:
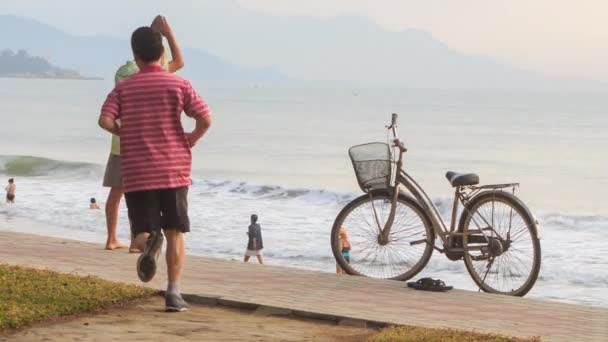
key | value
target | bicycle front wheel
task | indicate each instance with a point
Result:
(409, 246)
(502, 249)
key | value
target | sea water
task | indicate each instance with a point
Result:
(280, 151)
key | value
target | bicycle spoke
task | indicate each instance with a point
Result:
(395, 257)
(512, 267)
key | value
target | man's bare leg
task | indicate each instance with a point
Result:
(112, 207)
(176, 255)
(134, 247)
(260, 259)
(246, 258)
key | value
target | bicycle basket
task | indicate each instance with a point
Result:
(372, 164)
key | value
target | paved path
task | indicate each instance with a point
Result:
(351, 300)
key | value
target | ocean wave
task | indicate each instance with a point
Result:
(252, 191)
(37, 166)
(30, 166)
(596, 223)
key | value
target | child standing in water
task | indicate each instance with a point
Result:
(11, 190)
(255, 244)
(344, 244)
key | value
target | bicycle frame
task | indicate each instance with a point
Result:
(462, 195)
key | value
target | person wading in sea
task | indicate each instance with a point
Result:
(93, 203)
(11, 191)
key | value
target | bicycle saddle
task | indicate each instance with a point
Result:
(462, 179)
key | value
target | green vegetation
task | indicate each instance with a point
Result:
(417, 334)
(28, 295)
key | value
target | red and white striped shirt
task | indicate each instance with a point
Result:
(155, 152)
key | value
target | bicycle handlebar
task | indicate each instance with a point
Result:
(393, 126)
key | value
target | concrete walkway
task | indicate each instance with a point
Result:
(345, 299)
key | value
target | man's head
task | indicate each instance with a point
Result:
(147, 45)
(254, 218)
(11, 180)
(93, 201)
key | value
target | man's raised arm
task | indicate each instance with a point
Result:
(161, 25)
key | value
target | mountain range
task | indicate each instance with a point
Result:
(99, 55)
(348, 49)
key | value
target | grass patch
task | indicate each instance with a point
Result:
(28, 295)
(418, 334)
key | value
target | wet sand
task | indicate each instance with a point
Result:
(146, 321)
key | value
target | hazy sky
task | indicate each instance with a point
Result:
(556, 36)
(559, 37)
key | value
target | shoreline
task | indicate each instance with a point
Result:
(337, 298)
(547, 290)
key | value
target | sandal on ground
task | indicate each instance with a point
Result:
(429, 284)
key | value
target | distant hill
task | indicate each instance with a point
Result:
(347, 49)
(20, 64)
(100, 56)
(354, 48)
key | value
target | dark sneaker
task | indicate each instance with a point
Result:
(175, 303)
(146, 263)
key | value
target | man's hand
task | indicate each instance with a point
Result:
(192, 139)
(202, 125)
(161, 25)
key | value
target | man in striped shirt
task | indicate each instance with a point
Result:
(112, 177)
(156, 156)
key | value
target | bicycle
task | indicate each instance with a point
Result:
(392, 233)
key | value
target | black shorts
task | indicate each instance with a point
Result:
(151, 210)
(10, 197)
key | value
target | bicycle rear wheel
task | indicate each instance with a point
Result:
(410, 242)
(507, 259)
